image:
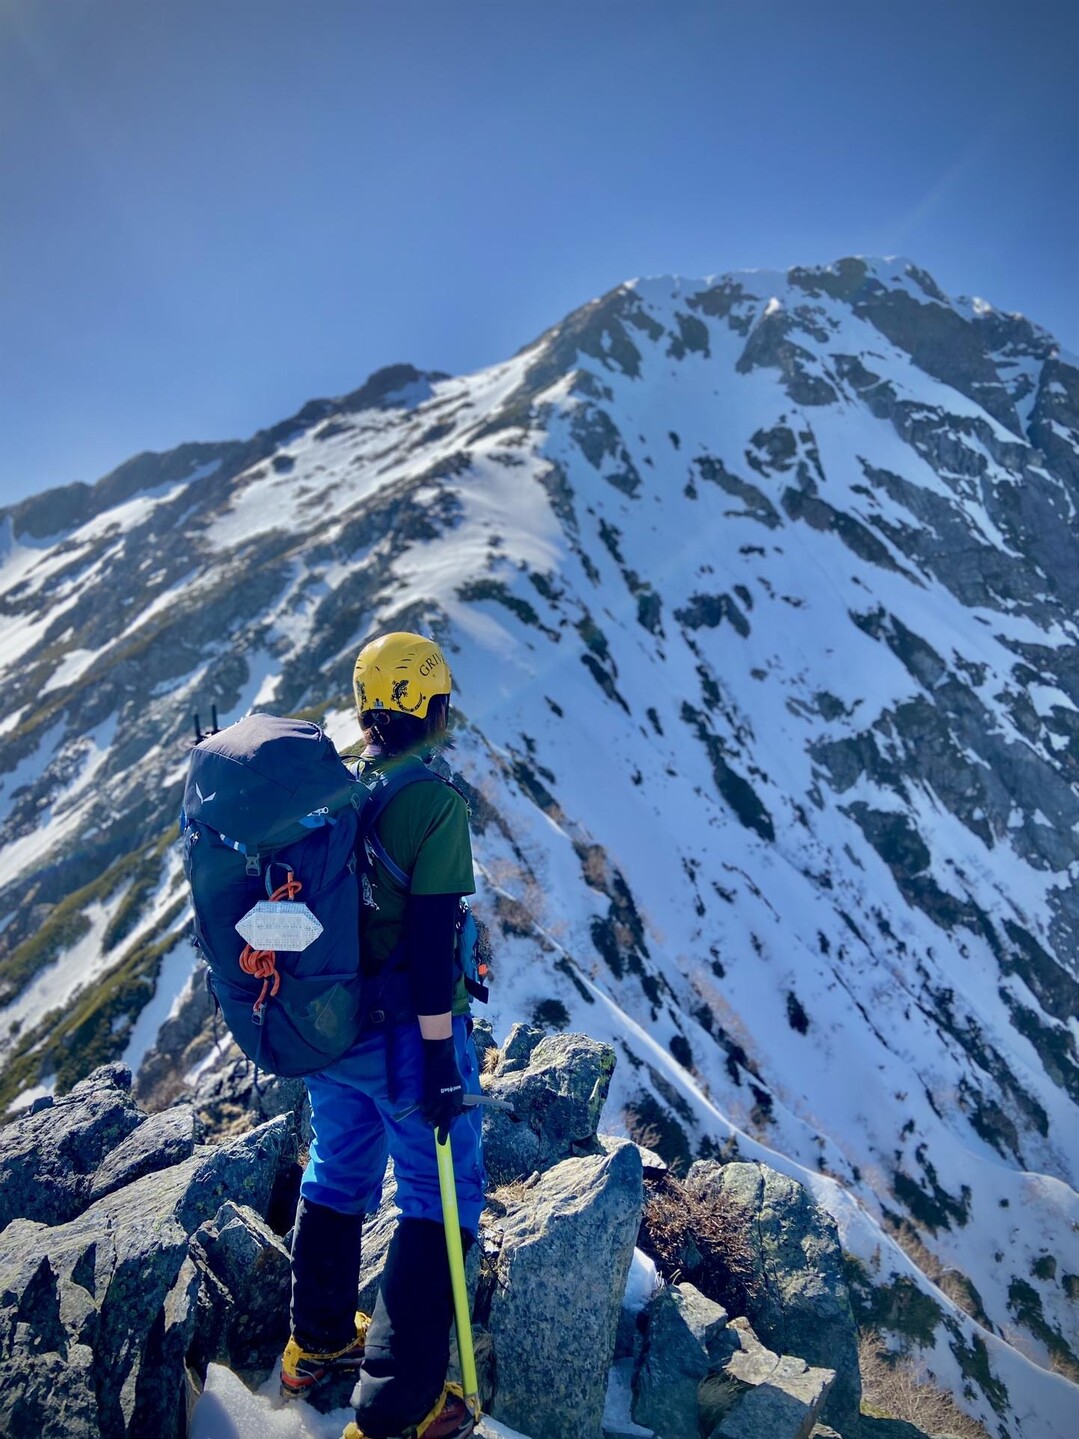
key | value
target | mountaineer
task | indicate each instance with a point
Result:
(400, 1083)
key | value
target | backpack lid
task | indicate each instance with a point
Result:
(264, 778)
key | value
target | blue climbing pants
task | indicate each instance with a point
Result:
(353, 1104)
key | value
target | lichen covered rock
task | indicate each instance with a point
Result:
(551, 1289)
(108, 1308)
(801, 1304)
(557, 1085)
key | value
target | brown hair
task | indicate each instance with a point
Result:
(395, 733)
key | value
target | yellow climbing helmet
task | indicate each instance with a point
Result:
(400, 672)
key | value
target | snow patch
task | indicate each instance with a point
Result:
(227, 1409)
(1047, 698)
(54, 986)
(71, 668)
(618, 1406)
(32, 767)
(174, 978)
(29, 1097)
(19, 637)
(641, 1283)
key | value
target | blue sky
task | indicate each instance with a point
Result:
(212, 211)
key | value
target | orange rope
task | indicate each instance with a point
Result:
(262, 963)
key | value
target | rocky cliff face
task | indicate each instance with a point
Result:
(759, 594)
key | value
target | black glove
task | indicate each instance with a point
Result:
(443, 1088)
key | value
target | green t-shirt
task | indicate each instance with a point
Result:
(425, 830)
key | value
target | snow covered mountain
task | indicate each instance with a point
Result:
(760, 594)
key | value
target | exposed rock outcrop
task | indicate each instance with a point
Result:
(105, 1300)
(557, 1085)
(683, 1338)
(49, 1160)
(163, 1254)
(800, 1304)
(554, 1271)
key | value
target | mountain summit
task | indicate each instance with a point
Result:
(760, 596)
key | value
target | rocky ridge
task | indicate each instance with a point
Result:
(148, 1251)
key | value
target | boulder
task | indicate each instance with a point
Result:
(785, 1406)
(246, 1170)
(551, 1287)
(252, 1266)
(159, 1142)
(748, 1360)
(47, 1357)
(96, 1295)
(752, 1393)
(557, 1085)
(101, 1312)
(801, 1304)
(518, 1047)
(681, 1333)
(706, 1320)
(48, 1159)
(877, 1427)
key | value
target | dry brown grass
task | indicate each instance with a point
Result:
(897, 1386)
(647, 1136)
(517, 1191)
(695, 1242)
(491, 1057)
(716, 1394)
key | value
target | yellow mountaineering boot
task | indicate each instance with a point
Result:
(302, 1370)
(451, 1417)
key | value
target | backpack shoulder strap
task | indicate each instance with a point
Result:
(379, 797)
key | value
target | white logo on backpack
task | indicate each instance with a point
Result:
(205, 798)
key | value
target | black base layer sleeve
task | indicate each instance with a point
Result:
(430, 938)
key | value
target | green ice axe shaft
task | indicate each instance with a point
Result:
(461, 1314)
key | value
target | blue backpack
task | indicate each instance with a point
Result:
(274, 829)
(270, 825)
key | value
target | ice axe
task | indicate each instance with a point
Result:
(455, 1253)
(470, 1101)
